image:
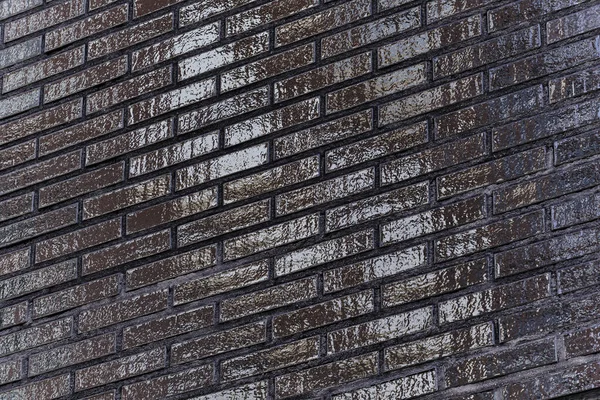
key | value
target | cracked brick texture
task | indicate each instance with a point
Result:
(299, 199)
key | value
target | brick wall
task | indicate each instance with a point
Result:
(303, 199)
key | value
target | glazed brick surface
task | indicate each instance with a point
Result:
(299, 199)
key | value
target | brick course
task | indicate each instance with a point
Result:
(299, 199)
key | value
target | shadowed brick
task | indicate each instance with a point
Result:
(76, 296)
(225, 281)
(171, 267)
(125, 252)
(268, 299)
(72, 354)
(122, 311)
(220, 342)
(323, 314)
(119, 369)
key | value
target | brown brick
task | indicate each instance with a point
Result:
(326, 191)
(383, 266)
(575, 148)
(221, 166)
(322, 77)
(435, 283)
(372, 89)
(379, 330)
(544, 125)
(13, 315)
(175, 46)
(576, 211)
(14, 261)
(125, 252)
(323, 134)
(324, 252)
(129, 89)
(43, 69)
(40, 172)
(268, 67)
(271, 122)
(81, 29)
(41, 121)
(199, 11)
(326, 375)
(130, 36)
(76, 296)
(119, 369)
(43, 19)
(497, 171)
(219, 342)
(495, 299)
(221, 282)
(322, 314)
(171, 267)
(544, 63)
(273, 236)
(525, 10)
(72, 354)
(225, 222)
(497, 110)
(268, 299)
(440, 9)
(548, 318)
(571, 380)
(489, 236)
(431, 99)
(36, 336)
(170, 385)
(75, 241)
(16, 206)
(219, 111)
(487, 52)
(547, 252)
(371, 32)
(272, 179)
(82, 184)
(128, 142)
(578, 276)
(434, 39)
(224, 55)
(165, 327)
(439, 346)
(433, 220)
(574, 85)
(265, 14)
(126, 197)
(272, 359)
(174, 154)
(51, 388)
(331, 18)
(508, 361)
(82, 132)
(144, 7)
(377, 206)
(169, 101)
(546, 187)
(123, 310)
(403, 388)
(17, 154)
(38, 225)
(377, 146)
(173, 210)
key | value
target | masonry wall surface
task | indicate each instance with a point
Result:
(299, 199)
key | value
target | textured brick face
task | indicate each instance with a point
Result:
(299, 199)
